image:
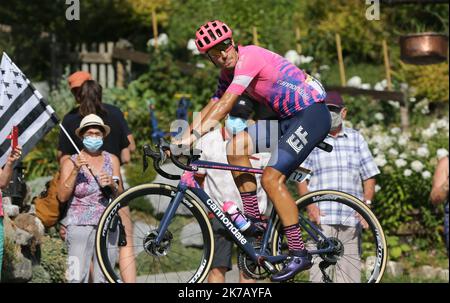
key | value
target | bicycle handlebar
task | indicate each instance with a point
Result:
(160, 156)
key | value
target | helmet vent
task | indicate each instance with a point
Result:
(211, 34)
(207, 41)
(225, 29)
(219, 33)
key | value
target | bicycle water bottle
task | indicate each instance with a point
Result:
(236, 215)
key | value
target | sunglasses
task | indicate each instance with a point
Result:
(334, 109)
(223, 46)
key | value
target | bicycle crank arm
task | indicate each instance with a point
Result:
(267, 265)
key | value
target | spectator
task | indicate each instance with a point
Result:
(5, 177)
(88, 94)
(439, 192)
(219, 185)
(86, 201)
(349, 168)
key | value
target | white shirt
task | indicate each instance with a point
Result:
(219, 184)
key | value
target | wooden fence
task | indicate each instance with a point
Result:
(108, 62)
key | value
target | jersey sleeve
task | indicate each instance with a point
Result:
(247, 67)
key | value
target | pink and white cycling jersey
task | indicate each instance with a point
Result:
(269, 78)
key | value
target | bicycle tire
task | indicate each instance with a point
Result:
(190, 204)
(381, 253)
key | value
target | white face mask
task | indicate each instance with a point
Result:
(336, 120)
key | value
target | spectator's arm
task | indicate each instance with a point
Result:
(302, 188)
(369, 188)
(439, 191)
(116, 172)
(68, 176)
(132, 146)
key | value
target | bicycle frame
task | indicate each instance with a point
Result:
(188, 182)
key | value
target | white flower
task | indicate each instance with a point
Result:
(400, 163)
(396, 130)
(417, 166)
(412, 99)
(380, 160)
(404, 86)
(378, 86)
(394, 104)
(354, 81)
(200, 65)
(429, 133)
(317, 76)
(403, 156)
(423, 152)
(162, 39)
(375, 151)
(348, 124)
(403, 140)
(377, 188)
(324, 67)
(392, 151)
(365, 86)
(426, 174)
(441, 153)
(379, 116)
(192, 47)
(442, 123)
(306, 59)
(293, 57)
(407, 172)
(425, 110)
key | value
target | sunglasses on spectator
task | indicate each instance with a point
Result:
(223, 46)
(334, 109)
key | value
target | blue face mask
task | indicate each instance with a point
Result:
(92, 144)
(235, 125)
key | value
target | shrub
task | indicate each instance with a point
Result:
(54, 258)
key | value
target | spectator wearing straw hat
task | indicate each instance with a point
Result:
(81, 178)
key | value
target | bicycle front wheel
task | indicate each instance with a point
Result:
(358, 250)
(184, 254)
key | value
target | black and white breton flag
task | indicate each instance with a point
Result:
(23, 106)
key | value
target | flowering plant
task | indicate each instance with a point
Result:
(407, 160)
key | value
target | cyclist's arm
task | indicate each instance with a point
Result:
(217, 112)
(205, 111)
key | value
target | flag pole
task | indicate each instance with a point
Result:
(69, 137)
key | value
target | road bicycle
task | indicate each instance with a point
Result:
(173, 239)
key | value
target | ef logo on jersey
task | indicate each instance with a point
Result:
(298, 139)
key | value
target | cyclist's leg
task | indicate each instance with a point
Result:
(238, 151)
(300, 134)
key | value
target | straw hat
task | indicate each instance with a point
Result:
(92, 120)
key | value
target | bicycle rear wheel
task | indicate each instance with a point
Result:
(360, 251)
(185, 253)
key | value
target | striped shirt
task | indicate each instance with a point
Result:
(343, 169)
(270, 79)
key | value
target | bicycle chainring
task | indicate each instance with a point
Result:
(250, 268)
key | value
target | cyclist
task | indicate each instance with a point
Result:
(304, 121)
